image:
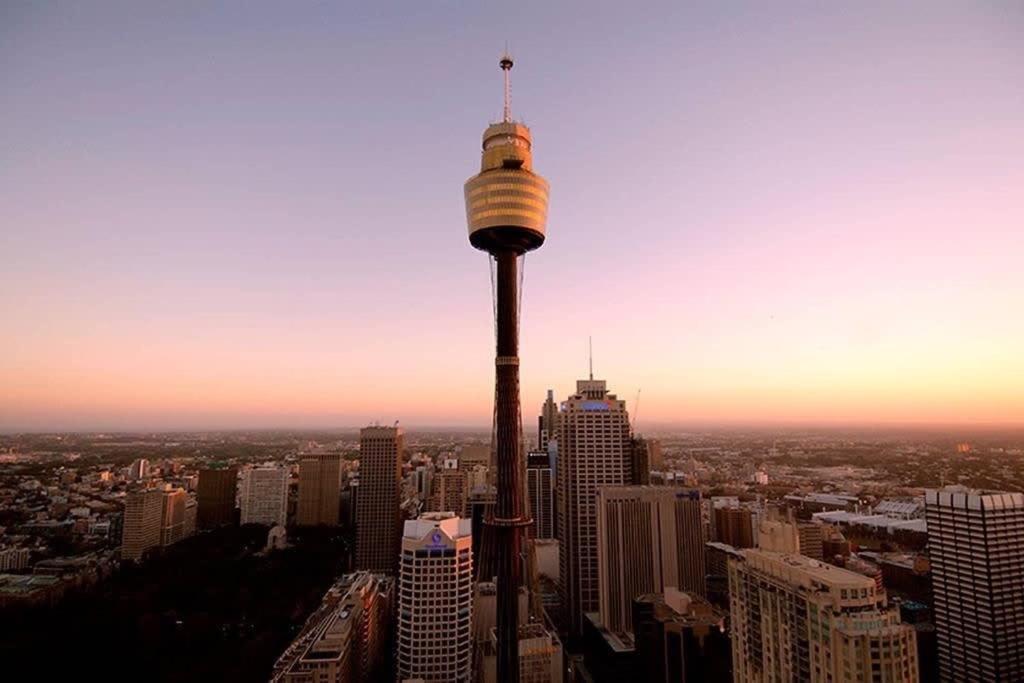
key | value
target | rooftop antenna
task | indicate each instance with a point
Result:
(590, 344)
(506, 66)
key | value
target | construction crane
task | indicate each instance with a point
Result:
(636, 412)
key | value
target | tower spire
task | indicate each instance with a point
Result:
(506, 66)
(590, 356)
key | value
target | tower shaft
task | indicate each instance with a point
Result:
(509, 519)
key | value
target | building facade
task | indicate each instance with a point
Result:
(976, 550)
(143, 515)
(435, 600)
(346, 640)
(172, 519)
(649, 538)
(215, 497)
(540, 494)
(449, 488)
(594, 448)
(377, 506)
(680, 637)
(797, 619)
(319, 490)
(263, 495)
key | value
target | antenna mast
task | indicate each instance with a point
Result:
(506, 67)
(590, 355)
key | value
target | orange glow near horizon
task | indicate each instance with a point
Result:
(755, 223)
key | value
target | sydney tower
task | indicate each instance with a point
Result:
(506, 209)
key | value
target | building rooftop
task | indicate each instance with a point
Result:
(23, 584)
(449, 523)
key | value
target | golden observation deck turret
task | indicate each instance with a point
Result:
(506, 203)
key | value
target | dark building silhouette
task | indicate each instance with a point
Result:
(215, 497)
(680, 637)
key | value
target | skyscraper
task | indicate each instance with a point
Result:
(172, 518)
(649, 538)
(540, 494)
(435, 600)
(215, 497)
(506, 212)
(264, 495)
(976, 548)
(645, 456)
(593, 452)
(143, 515)
(547, 422)
(378, 530)
(450, 488)
(319, 489)
(797, 619)
(732, 524)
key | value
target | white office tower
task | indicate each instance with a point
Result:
(976, 549)
(264, 495)
(435, 599)
(594, 449)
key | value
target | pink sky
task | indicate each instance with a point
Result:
(246, 218)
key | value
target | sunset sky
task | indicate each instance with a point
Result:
(252, 215)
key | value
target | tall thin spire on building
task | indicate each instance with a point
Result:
(590, 355)
(506, 67)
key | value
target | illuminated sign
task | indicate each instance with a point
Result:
(594, 405)
(436, 540)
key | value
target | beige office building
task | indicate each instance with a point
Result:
(449, 488)
(797, 619)
(378, 529)
(319, 489)
(143, 516)
(650, 538)
(346, 639)
(594, 451)
(172, 518)
(263, 495)
(435, 600)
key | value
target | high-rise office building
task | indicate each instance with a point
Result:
(976, 549)
(475, 454)
(139, 469)
(172, 518)
(319, 489)
(645, 456)
(449, 488)
(649, 538)
(215, 497)
(479, 507)
(593, 452)
(435, 600)
(540, 493)
(680, 637)
(732, 525)
(547, 422)
(797, 619)
(377, 506)
(346, 639)
(811, 537)
(263, 495)
(143, 515)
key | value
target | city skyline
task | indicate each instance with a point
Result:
(762, 216)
